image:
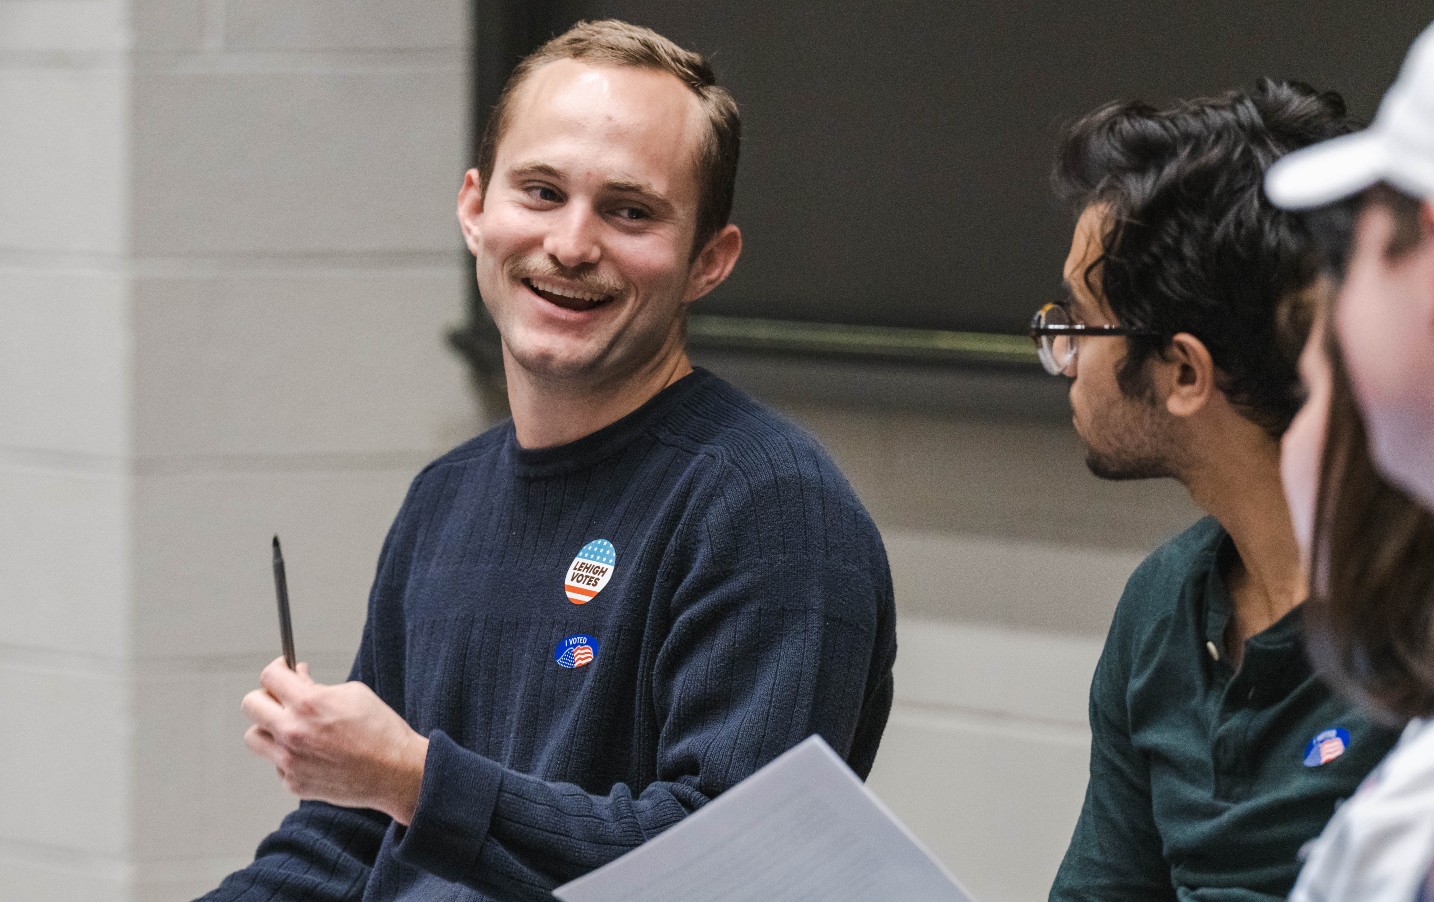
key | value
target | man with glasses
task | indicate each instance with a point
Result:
(1215, 753)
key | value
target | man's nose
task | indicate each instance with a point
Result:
(573, 240)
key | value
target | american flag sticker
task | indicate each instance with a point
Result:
(576, 651)
(590, 571)
(1326, 746)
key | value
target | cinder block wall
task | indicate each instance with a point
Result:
(65, 435)
(227, 260)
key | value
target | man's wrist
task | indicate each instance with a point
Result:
(408, 780)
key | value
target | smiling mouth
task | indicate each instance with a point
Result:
(569, 297)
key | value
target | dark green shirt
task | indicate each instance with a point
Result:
(1199, 786)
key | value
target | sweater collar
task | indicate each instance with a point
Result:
(612, 439)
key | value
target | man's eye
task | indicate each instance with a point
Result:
(543, 193)
(632, 214)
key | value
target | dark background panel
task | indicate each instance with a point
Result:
(896, 153)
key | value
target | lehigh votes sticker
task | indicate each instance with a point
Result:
(1326, 746)
(576, 651)
(590, 571)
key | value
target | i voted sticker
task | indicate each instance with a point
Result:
(576, 651)
(1326, 746)
(590, 571)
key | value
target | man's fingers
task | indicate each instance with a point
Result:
(261, 742)
(282, 683)
(262, 709)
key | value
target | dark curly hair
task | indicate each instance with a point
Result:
(1191, 243)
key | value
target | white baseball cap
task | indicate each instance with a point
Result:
(1397, 148)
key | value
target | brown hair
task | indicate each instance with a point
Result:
(1404, 208)
(1371, 617)
(615, 43)
(1332, 226)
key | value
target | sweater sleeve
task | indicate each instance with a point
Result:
(1115, 853)
(764, 649)
(320, 851)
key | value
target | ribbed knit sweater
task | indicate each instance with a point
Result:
(743, 603)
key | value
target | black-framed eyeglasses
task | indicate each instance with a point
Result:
(1055, 336)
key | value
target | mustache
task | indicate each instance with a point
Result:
(527, 268)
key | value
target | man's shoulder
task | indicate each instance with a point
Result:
(490, 441)
(1158, 597)
(736, 429)
(1159, 588)
(1168, 568)
(756, 467)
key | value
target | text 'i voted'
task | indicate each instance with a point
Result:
(576, 651)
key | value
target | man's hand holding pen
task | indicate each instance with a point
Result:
(339, 744)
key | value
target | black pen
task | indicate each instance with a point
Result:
(281, 589)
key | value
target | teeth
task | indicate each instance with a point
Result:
(564, 291)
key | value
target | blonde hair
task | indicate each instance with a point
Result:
(617, 43)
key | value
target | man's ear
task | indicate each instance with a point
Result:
(714, 262)
(1186, 375)
(470, 207)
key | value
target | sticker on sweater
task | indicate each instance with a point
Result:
(1326, 747)
(590, 571)
(576, 651)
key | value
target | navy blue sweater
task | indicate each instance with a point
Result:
(743, 602)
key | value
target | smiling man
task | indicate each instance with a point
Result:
(594, 618)
(1215, 751)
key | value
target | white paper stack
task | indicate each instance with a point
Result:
(801, 828)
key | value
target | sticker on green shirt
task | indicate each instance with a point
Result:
(1326, 746)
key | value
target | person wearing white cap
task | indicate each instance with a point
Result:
(1374, 191)
(1385, 312)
